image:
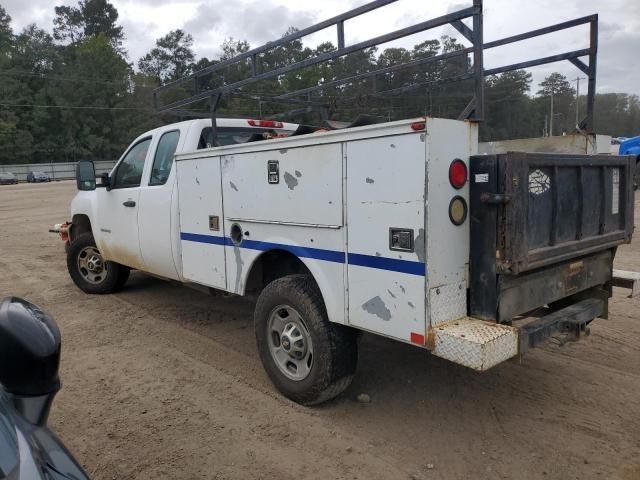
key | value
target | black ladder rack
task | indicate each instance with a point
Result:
(304, 99)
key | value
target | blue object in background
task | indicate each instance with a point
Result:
(630, 146)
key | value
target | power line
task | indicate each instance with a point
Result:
(72, 107)
(63, 78)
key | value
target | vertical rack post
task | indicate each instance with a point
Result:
(591, 86)
(478, 62)
(215, 100)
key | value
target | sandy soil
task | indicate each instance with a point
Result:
(161, 381)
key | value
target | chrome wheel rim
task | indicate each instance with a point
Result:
(91, 265)
(290, 343)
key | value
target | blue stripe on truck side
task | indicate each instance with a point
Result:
(356, 259)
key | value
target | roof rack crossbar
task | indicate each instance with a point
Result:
(474, 109)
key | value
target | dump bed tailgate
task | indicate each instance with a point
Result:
(540, 224)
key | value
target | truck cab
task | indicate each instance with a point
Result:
(133, 215)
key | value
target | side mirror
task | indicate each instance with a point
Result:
(85, 175)
(29, 357)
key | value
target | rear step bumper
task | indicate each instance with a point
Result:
(481, 345)
(474, 343)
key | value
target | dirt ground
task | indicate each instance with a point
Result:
(161, 381)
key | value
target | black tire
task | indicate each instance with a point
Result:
(335, 353)
(114, 279)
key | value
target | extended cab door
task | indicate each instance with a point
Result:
(117, 211)
(158, 212)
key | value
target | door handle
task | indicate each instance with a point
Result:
(129, 203)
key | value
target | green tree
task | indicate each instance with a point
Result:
(172, 57)
(508, 113)
(89, 18)
(557, 88)
(6, 32)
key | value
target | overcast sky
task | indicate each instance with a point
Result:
(259, 21)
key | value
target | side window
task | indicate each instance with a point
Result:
(164, 157)
(129, 170)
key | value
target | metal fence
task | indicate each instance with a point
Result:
(57, 171)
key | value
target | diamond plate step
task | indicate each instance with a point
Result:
(475, 343)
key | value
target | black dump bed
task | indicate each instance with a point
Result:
(544, 227)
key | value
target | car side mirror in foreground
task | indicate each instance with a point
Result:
(85, 175)
(29, 357)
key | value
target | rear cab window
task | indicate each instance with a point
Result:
(163, 159)
(233, 136)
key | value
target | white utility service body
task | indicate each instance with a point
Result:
(335, 200)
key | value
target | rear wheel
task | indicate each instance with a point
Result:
(89, 271)
(309, 359)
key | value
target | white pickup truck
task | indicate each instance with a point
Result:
(397, 229)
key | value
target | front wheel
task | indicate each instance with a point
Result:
(89, 271)
(309, 359)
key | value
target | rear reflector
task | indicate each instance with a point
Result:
(417, 338)
(417, 126)
(265, 123)
(458, 173)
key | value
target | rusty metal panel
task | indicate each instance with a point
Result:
(553, 203)
(518, 294)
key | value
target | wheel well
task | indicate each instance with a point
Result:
(80, 224)
(270, 266)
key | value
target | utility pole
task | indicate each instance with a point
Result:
(577, 80)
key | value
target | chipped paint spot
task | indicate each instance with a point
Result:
(197, 181)
(419, 245)
(233, 185)
(411, 305)
(290, 180)
(239, 265)
(298, 173)
(284, 150)
(422, 137)
(370, 180)
(402, 288)
(393, 145)
(391, 293)
(378, 254)
(377, 307)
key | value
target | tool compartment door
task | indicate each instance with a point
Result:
(385, 204)
(202, 236)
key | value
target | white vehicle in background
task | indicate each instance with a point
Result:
(394, 228)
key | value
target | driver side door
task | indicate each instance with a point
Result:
(117, 232)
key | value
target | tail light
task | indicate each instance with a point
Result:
(265, 123)
(458, 210)
(458, 174)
